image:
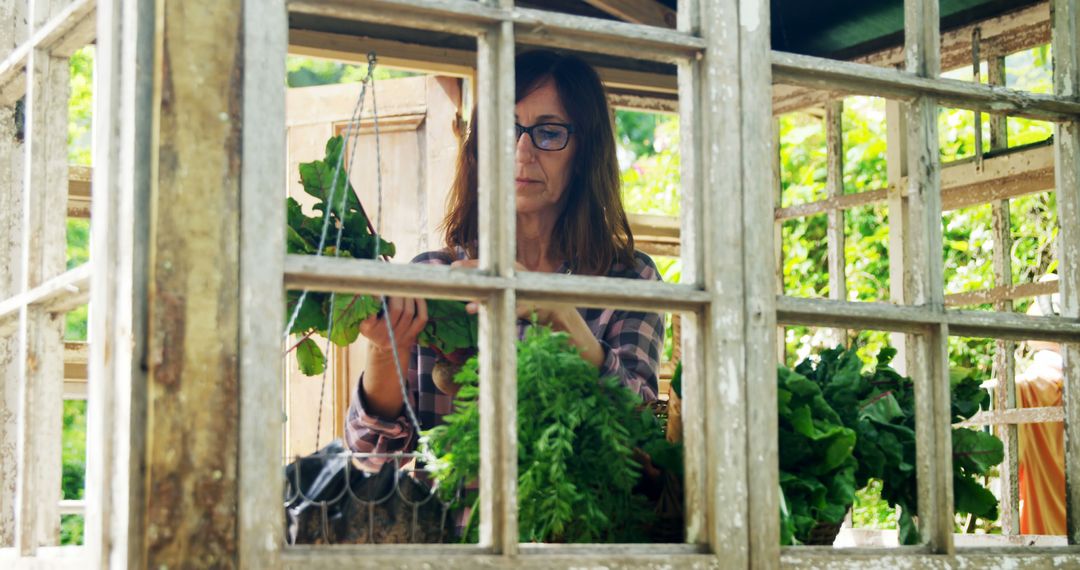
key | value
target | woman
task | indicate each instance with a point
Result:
(570, 219)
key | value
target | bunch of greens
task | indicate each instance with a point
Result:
(450, 330)
(817, 468)
(576, 440)
(880, 407)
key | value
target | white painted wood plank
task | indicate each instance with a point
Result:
(41, 332)
(11, 173)
(724, 336)
(1015, 416)
(57, 294)
(260, 532)
(927, 358)
(1066, 50)
(366, 276)
(759, 337)
(123, 101)
(327, 559)
(863, 79)
(62, 32)
(1004, 351)
(692, 178)
(997, 559)
(497, 249)
(1009, 175)
(1005, 366)
(834, 184)
(900, 318)
(536, 27)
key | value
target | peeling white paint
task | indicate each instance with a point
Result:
(749, 17)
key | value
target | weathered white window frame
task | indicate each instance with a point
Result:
(739, 341)
(37, 39)
(725, 74)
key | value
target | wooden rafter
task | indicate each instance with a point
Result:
(648, 12)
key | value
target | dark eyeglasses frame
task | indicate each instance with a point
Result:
(529, 130)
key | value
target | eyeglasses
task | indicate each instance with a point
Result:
(547, 136)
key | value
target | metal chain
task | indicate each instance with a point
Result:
(351, 133)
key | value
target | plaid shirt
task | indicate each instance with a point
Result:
(631, 342)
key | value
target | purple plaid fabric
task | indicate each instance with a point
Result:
(631, 342)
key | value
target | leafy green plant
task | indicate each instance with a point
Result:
(450, 330)
(577, 436)
(817, 469)
(879, 406)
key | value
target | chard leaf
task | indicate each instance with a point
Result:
(973, 498)
(310, 357)
(975, 452)
(349, 311)
(311, 315)
(881, 407)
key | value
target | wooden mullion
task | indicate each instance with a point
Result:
(692, 176)
(1013, 416)
(999, 132)
(41, 333)
(11, 244)
(834, 183)
(1010, 175)
(116, 403)
(498, 368)
(1066, 50)
(550, 29)
(864, 79)
(778, 239)
(759, 301)
(1004, 350)
(723, 340)
(265, 45)
(366, 276)
(997, 557)
(928, 353)
(1005, 370)
(914, 319)
(896, 170)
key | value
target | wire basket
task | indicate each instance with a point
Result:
(331, 501)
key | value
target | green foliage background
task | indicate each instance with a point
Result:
(648, 153)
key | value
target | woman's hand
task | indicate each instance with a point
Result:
(406, 315)
(560, 317)
(551, 314)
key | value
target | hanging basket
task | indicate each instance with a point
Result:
(331, 502)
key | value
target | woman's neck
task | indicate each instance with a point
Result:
(535, 249)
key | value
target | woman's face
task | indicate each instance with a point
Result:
(541, 176)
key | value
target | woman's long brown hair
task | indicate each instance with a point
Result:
(592, 231)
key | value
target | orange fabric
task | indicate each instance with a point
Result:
(1042, 449)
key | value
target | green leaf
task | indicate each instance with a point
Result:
(349, 311)
(881, 407)
(311, 315)
(310, 357)
(975, 452)
(973, 498)
(449, 328)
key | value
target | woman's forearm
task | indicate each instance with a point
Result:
(382, 392)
